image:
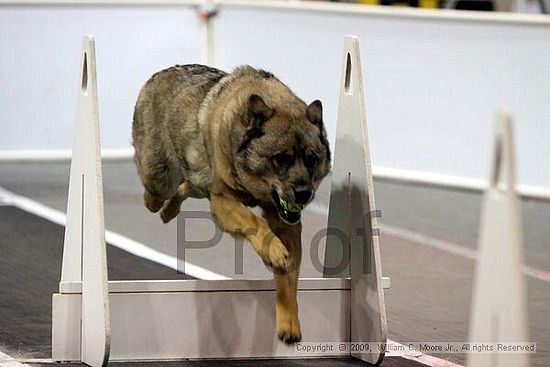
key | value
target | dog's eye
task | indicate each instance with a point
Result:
(282, 159)
(311, 160)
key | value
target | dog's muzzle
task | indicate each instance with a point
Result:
(289, 213)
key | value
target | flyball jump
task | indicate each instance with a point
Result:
(96, 320)
(499, 309)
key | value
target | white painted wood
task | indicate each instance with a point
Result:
(499, 311)
(351, 205)
(220, 324)
(84, 254)
(208, 13)
(66, 332)
(195, 285)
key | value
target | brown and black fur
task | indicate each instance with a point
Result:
(240, 139)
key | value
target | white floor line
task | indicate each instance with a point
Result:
(114, 239)
(418, 356)
(447, 246)
(7, 361)
(39, 360)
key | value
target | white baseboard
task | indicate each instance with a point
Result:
(381, 173)
(452, 182)
(59, 155)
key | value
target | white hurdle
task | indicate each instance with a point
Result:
(96, 320)
(352, 208)
(499, 312)
(84, 252)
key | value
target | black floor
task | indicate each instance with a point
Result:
(30, 261)
(431, 288)
(316, 362)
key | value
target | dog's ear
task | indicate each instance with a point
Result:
(257, 112)
(314, 113)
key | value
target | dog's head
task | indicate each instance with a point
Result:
(281, 154)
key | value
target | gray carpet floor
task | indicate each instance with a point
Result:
(431, 289)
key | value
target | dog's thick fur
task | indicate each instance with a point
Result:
(240, 139)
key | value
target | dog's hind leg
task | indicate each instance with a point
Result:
(152, 202)
(160, 179)
(171, 208)
(287, 322)
(150, 198)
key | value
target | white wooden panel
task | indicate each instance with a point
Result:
(84, 249)
(66, 333)
(206, 324)
(142, 286)
(352, 208)
(499, 312)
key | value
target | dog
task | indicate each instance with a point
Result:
(240, 139)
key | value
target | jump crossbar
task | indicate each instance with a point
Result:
(192, 285)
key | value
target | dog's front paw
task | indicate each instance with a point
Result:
(288, 328)
(276, 254)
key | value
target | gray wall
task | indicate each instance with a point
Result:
(39, 66)
(432, 83)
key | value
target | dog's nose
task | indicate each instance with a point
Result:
(302, 194)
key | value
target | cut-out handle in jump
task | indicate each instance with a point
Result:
(502, 174)
(84, 79)
(348, 87)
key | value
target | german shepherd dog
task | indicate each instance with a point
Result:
(241, 139)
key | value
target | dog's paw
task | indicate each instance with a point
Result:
(168, 212)
(278, 254)
(151, 202)
(288, 329)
